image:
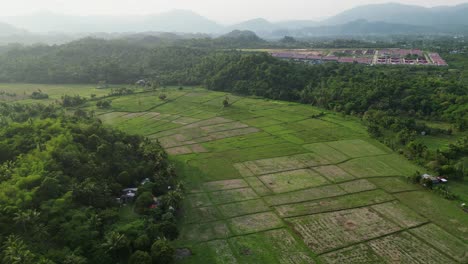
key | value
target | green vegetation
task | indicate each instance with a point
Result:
(60, 176)
(324, 175)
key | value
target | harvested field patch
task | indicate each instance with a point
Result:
(179, 150)
(394, 184)
(356, 148)
(404, 248)
(329, 153)
(243, 208)
(225, 185)
(328, 231)
(443, 241)
(292, 180)
(254, 223)
(357, 186)
(310, 159)
(258, 186)
(201, 215)
(305, 195)
(334, 173)
(360, 253)
(198, 199)
(205, 231)
(197, 148)
(400, 214)
(229, 196)
(333, 204)
(274, 246)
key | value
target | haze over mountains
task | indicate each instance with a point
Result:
(389, 18)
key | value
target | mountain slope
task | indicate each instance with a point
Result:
(8, 30)
(403, 14)
(172, 21)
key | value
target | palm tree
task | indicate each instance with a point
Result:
(15, 251)
(26, 217)
(115, 244)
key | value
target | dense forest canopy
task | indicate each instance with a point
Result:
(60, 176)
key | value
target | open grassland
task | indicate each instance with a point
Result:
(267, 182)
(22, 92)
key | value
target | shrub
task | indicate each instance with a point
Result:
(162, 252)
(140, 257)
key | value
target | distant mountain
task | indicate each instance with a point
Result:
(257, 25)
(384, 19)
(9, 30)
(363, 27)
(404, 14)
(172, 21)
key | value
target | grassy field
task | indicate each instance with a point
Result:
(267, 183)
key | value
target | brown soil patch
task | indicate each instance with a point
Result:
(350, 225)
(179, 151)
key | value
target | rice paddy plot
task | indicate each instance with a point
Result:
(229, 196)
(212, 168)
(357, 186)
(310, 124)
(245, 141)
(243, 208)
(394, 184)
(258, 186)
(198, 199)
(333, 204)
(224, 185)
(201, 214)
(223, 127)
(274, 246)
(266, 166)
(376, 166)
(254, 223)
(213, 252)
(399, 214)
(445, 242)
(328, 231)
(405, 248)
(334, 173)
(292, 180)
(243, 170)
(205, 231)
(440, 211)
(327, 152)
(305, 195)
(261, 122)
(360, 253)
(326, 134)
(356, 148)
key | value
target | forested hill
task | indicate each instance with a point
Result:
(59, 180)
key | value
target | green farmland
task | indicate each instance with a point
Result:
(278, 182)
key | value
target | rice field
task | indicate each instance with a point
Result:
(267, 183)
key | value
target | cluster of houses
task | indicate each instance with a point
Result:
(365, 56)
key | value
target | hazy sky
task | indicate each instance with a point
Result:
(223, 11)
